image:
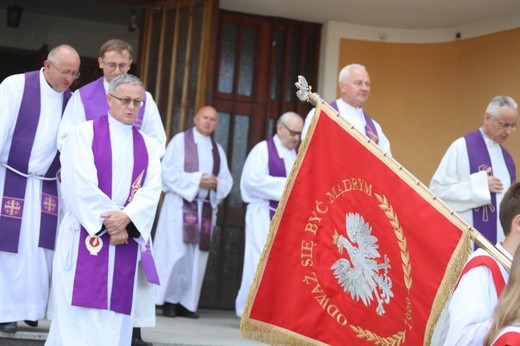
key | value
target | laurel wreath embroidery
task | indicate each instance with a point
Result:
(398, 338)
(394, 221)
(394, 340)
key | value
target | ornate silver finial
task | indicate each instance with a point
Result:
(304, 92)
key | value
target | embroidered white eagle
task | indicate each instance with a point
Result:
(361, 275)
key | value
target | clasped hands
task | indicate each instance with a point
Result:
(115, 222)
(208, 182)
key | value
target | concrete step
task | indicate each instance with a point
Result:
(213, 328)
(23, 337)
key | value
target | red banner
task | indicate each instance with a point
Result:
(359, 251)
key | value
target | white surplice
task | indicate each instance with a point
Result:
(152, 126)
(84, 204)
(463, 191)
(25, 276)
(356, 117)
(181, 266)
(473, 302)
(257, 188)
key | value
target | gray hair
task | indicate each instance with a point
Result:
(344, 74)
(284, 118)
(494, 105)
(123, 79)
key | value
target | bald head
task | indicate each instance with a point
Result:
(61, 67)
(206, 120)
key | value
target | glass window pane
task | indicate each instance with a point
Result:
(222, 132)
(227, 58)
(293, 66)
(271, 128)
(247, 61)
(240, 137)
(276, 73)
(309, 62)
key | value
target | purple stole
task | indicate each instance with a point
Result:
(485, 217)
(370, 128)
(15, 184)
(91, 278)
(191, 232)
(276, 167)
(93, 96)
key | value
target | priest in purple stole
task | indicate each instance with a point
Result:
(476, 170)
(111, 184)
(354, 88)
(88, 103)
(196, 177)
(32, 105)
(261, 185)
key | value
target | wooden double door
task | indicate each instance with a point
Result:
(245, 66)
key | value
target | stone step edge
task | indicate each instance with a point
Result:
(42, 336)
(23, 335)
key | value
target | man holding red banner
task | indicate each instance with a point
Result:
(483, 280)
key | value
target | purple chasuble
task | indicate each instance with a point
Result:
(94, 99)
(485, 217)
(91, 278)
(370, 128)
(15, 184)
(191, 231)
(276, 167)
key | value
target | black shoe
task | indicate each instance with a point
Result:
(169, 309)
(137, 340)
(8, 327)
(140, 342)
(183, 312)
(31, 323)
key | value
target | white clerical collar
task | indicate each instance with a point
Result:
(486, 137)
(105, 85)
(350, 107)
(47, 88)
(114, 122)
(282, 149)
(197, 136)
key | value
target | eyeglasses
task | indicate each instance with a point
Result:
(126, 101)
(74, 74)
(291, 132)
(504, 126)
(113, 65)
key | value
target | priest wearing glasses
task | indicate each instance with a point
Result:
(111, 184)
(32, 105)
(476, 170)
(90, 102)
